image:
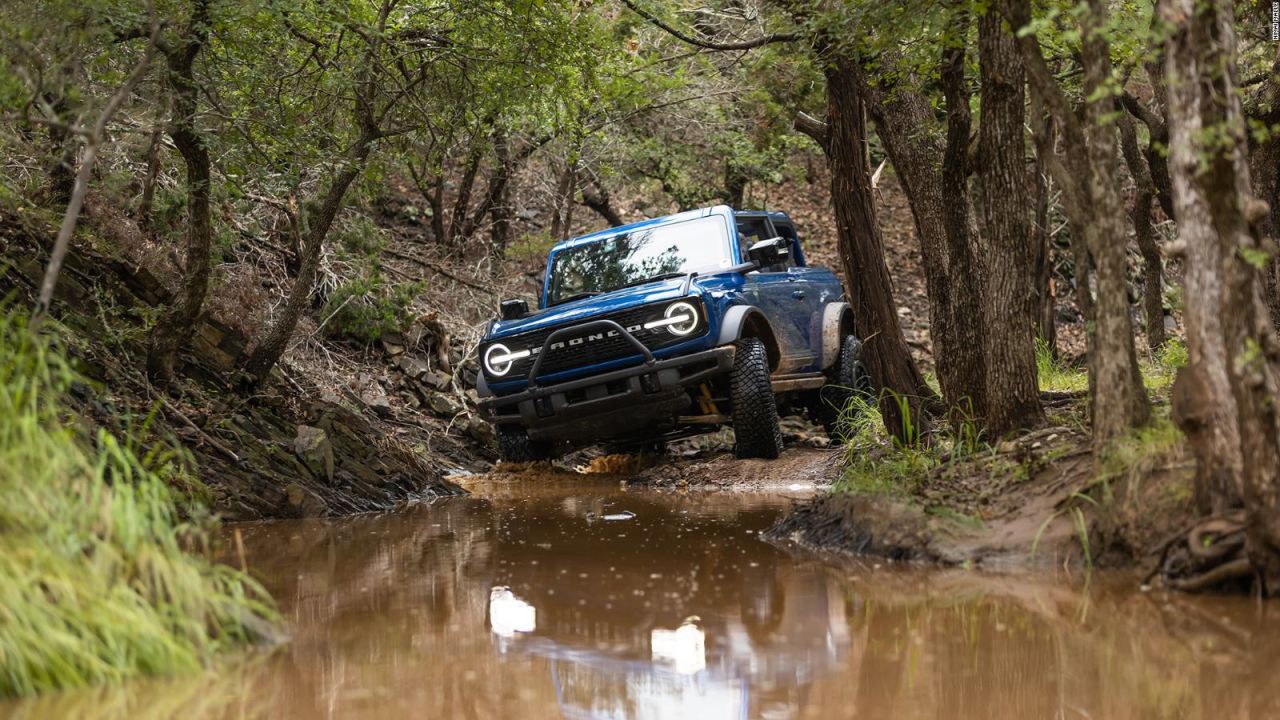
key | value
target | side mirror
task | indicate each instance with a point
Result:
(769, 252)
(513, 309)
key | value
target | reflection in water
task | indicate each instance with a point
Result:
(509, 614)
(521, 606)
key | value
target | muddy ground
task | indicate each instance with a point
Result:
(1024, 504)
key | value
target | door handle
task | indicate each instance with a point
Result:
(797, 294)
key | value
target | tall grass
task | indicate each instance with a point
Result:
(94, 583)
(876, 462)
(1056, 376)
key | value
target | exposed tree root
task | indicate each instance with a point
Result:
(1208, 556)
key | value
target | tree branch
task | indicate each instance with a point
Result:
(707, 44)
(814, 128)
(93, 140)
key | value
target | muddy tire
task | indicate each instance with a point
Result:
(515, 446)
(849, 379)
(755, 409)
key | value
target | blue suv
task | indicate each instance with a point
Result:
(667, 328)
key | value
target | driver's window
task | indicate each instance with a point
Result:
(787, 231)
(751, 230)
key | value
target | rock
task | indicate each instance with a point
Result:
(312, 446)
(481, 431)
(412, 366)
(376, 398)
(305, 502)
(443, 405)
(437, 380)
(393, 344)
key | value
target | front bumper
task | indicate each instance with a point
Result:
(609, 405)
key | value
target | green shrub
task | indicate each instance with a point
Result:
(94, 583)
(368, 308)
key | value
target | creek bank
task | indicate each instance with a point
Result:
(1036, 501)
(291, 448)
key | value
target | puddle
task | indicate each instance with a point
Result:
(529, 602)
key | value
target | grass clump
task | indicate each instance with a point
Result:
(1056, 376)
(94, 583)
(877, 463)
(1142, 450)
(1159, 371)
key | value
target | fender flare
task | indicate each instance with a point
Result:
(748, 321)
(837, 322)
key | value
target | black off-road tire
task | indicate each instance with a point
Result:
(515, 446)
(755, 409)
(849, 379)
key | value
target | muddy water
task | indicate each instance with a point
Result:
(587, 600)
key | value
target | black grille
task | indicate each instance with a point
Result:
(595, 345)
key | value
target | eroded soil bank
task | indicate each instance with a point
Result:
(556, 595)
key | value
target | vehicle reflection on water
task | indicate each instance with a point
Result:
(524, 602)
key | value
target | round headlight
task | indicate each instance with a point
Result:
(498, 359)
(681, 317)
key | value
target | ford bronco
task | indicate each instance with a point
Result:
(667, 328)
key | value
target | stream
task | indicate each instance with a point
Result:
(591, 599)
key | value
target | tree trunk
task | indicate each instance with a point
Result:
(458, 229)
(1044, 282)
(735, 185)
(906, 394)
(966, 271)
(1119, 400)
(1264, 164)
(1144, 232)
(177, 324)
(498, 200)
(430, 185)
(560, 215)
(147, 203)
(1234, 355)
(596, 196)
(902, 115)
(276, 339)
(1088, 174)
(1010, 307)
(63, 149)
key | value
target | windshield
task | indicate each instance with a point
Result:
(697, 245)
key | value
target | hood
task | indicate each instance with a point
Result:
(590, 308)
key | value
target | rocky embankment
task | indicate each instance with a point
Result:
(289, 449)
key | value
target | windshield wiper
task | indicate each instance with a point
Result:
(579, 296)
(655, 278)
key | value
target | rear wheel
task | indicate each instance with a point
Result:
(514, 445)
(755, 409)
(849, 380)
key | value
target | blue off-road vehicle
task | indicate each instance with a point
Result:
(667, 328)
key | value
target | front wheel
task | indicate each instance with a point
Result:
(755, 409)
(515, 446)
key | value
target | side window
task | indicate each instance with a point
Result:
(751, 230)
(788, 231)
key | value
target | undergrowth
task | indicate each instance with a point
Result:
(95, 585)
(877, 463)
(1055, 375)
